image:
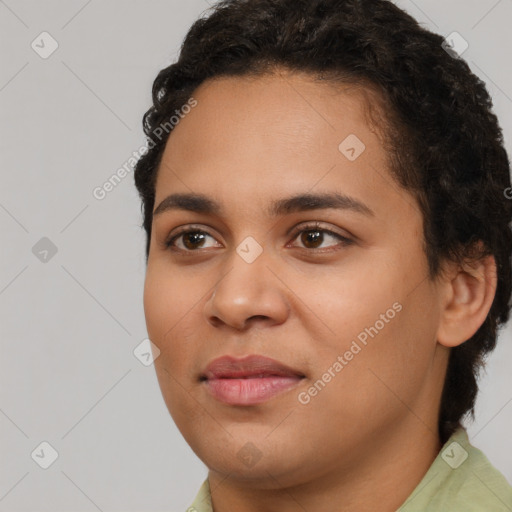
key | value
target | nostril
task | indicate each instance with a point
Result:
(258, 317)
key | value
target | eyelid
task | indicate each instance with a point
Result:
(312, 225)
(296, 230)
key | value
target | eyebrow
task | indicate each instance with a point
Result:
(200, 203)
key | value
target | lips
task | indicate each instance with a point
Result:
(248, 381)
(228, 367)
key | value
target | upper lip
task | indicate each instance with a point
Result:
(229, 367)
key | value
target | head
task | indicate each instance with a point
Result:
(347, 97)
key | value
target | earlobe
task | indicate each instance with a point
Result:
(469, 293)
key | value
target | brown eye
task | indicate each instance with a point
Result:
(192, 239)
(313, 236)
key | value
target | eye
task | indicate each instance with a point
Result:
(192, 239)
(313, 235)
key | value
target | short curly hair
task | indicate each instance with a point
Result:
(445, 144)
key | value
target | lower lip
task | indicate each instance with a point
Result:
(249, 391)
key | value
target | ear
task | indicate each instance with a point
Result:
(468, 293)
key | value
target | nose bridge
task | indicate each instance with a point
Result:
(248, 260)
(248, 288)
(247, 274)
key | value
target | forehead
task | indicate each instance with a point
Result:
(271, 125)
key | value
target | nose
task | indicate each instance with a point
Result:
(247, 294)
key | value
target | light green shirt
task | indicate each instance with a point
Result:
(461, 479)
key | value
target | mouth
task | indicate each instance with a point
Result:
(248, 381)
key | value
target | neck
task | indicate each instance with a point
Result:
(393, 465)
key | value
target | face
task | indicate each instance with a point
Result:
(333, 288)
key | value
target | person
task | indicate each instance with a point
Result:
(328, 258)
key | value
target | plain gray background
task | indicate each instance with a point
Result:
(69, 325)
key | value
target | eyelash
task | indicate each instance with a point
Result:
(344, 241)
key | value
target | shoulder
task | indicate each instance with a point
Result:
(460, 478)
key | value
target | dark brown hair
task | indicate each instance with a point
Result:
(446, 146)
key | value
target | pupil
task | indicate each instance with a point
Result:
(312, 237)
(197, 236)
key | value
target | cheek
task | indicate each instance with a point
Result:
(172, 308)
(349, 302)
(377, 379)
(166, 302)
(384, 330)
(168, 306)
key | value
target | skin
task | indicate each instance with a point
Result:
(374, 425)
